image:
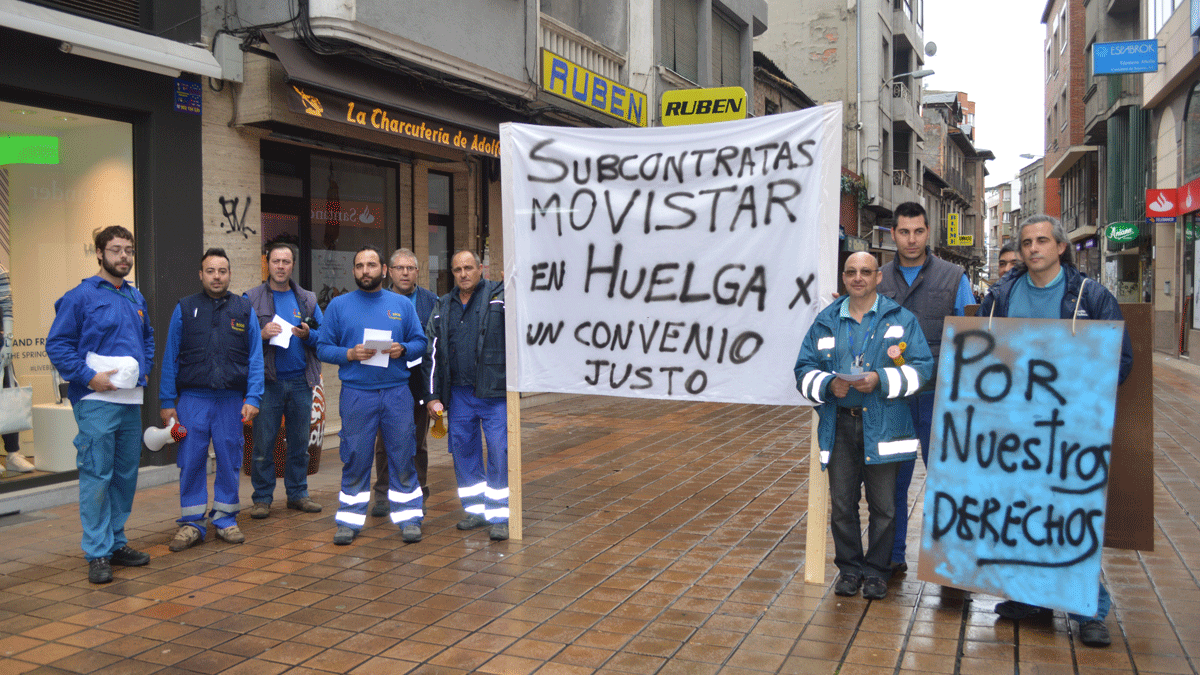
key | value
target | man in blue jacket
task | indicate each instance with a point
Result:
(465, 372)
(102, 343)
(1050, 287)
(290, 375)
(862, 358)
(403, 272)
(375, 397)
(212, 381)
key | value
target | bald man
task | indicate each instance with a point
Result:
(854, 368)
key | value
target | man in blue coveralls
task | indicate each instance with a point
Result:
(465, 372)
(213, 365)
(371, 334)
(102, 343)
(862, 356)
(1050, 287)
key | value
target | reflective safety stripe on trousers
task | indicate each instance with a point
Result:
(405, 506)
(472, 497)
(348, 517)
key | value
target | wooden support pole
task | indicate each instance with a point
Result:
(818, 510)
(515, 521)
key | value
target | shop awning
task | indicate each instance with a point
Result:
(1069, 159)
(358, 81)
(97, 40)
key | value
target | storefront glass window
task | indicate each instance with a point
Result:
(441, 227)
(1191, 136)
(63, 177)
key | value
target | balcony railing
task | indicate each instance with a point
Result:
(902, 178)
(574, 46)
(900, 90)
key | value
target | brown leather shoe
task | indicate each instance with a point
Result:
(304, 504)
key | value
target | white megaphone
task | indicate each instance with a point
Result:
(156, 437)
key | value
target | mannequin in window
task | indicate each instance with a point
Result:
(12, 448)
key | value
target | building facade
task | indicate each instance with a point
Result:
(869, 56)
(101, 121)
(353, 122)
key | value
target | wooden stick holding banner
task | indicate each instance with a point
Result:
(515, 521)
(818, 510)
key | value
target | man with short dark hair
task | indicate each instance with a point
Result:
(403, 274)
(370, 334)
(862, 353)
(290, 375)
(465, 370)
(102, 343)
(932, 289)
(1008, 259)
(1050, 287)
(212, 381)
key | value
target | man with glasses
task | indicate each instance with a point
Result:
(863, 354)
(102, 343)
(403, 273)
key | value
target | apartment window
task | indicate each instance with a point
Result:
(726, 52)
(680, 37)
(1160, 12)
(602, 20)
(1065, 111)
(1191, 135)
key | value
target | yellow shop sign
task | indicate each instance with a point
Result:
(696, 106)
(568, 80)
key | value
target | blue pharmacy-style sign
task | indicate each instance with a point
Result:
(1114, 58)
(1018, 459)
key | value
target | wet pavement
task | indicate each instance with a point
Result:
(659, 537)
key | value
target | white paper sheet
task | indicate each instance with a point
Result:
(380, 341)
(284, 339)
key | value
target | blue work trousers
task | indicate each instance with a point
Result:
(388, 412)
(921, 407)
(482, 491)
(291, 401)
(109, 449)
(218, 420)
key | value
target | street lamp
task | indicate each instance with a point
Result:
(916, 75)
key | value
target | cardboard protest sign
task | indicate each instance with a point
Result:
(1019, 458)
(678, 263)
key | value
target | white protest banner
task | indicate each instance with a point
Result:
(1019, 459)
(671, 262)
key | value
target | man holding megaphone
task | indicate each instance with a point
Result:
(213, 367)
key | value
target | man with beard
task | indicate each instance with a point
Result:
(371, 335)
(102, 343)
(213, 366)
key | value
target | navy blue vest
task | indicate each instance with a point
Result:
(214, 352)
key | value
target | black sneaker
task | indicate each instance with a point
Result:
(874, 588)
(473, 521)
(847, 585)
(127, 557)
(380, 509)
(99, 571)
(1012, 609)
(1094, 633)
(411, 533)
(499, 531)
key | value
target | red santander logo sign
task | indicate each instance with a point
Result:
(1162, 203)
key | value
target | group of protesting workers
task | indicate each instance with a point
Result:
(869, 364)
(404, 355)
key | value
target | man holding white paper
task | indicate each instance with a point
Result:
(368, 333)
(291, 370)
(105, 316)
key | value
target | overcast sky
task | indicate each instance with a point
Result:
(993, 52)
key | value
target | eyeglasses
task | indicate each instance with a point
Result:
(405, 268)
(118, 251)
